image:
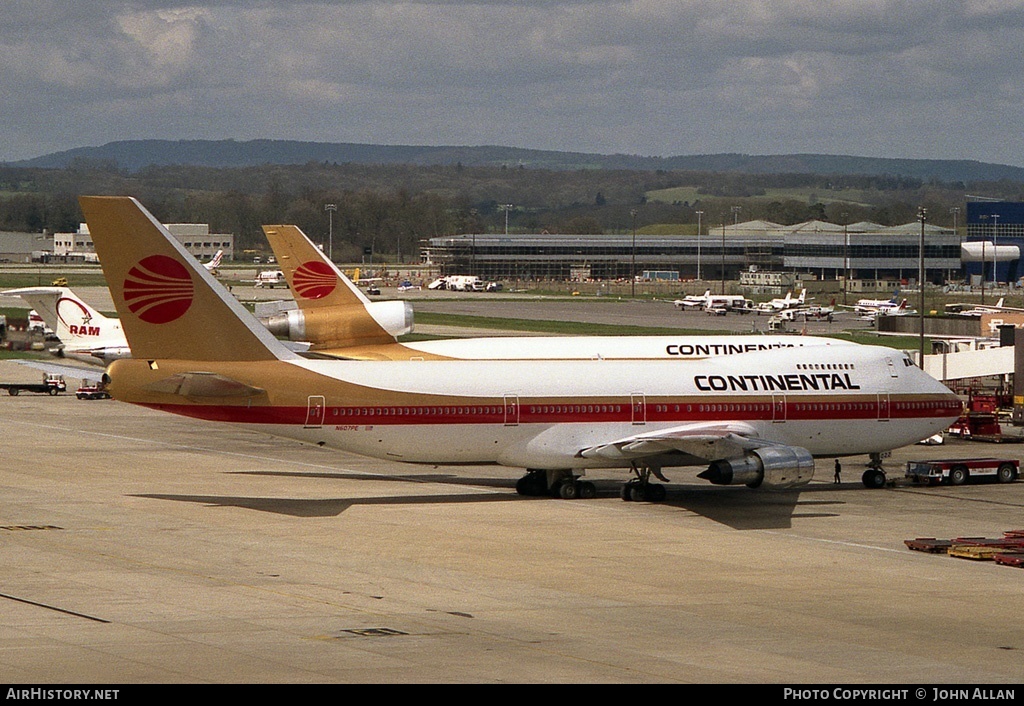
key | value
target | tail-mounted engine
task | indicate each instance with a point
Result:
(771, 467)
(330, 325)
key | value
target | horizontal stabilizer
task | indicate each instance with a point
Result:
(204, 385)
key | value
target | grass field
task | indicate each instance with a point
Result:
(689, 194)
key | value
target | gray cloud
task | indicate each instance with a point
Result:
(937, 79)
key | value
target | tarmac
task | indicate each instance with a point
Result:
(138, 548)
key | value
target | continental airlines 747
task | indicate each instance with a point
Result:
(339, 320)
(757, 418)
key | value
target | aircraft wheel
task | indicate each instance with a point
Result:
(12, 391)
(587, 490)
(568, 490)
(873, 478)
(626, 491)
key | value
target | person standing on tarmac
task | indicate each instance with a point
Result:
(839, 470)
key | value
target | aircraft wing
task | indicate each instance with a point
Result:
(706, 441)
(68, 371)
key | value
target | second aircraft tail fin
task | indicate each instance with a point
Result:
(333, 313)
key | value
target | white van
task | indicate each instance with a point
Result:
(270, 278)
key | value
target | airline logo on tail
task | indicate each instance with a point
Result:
(314, 280)
(69, 310)
(158, 289)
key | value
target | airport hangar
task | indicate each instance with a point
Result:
(77, 247)
(825, 250)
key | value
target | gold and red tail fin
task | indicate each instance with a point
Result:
(315, 281)
(333, 312)
(169, 305)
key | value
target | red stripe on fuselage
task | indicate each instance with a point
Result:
(836, 409)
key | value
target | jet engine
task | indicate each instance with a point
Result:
(775, 467)
(395, 317)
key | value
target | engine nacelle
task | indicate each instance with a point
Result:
(770, 466)
(329, 325)
(395, 317)
(289, 324)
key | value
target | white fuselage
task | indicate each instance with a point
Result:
(828, 400)
(613, 347)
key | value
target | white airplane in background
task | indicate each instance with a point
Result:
(782, 304)
(894, 309)
(693, 301)
(816, 311)
(757, 419)
(871, 309)
(338, 319)
(980, 309)
(214, 263)
(709, 301)
(870, 306)
(788, 302)
(84, 333)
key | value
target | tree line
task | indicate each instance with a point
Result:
(391, 209)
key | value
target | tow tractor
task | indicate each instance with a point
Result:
(957, 471)
(92, 391)
(51, 385)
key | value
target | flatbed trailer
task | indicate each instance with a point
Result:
(1010, 547)
(957, 471)
(51, 385)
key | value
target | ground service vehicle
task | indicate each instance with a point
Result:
(92, 391)
(270, 279)
(51, 384)
(957, 471)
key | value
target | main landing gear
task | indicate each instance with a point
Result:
(640, 488)
(563, 484)
(540, 482)
(874, 476)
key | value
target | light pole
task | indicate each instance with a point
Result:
(330, 208)
(723, 257)
(506, 207)
(846, 254)
(995, 251)
(699, 214)
(632, 267)
(956, 211)
(922, 216)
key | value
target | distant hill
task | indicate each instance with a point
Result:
(134, 155)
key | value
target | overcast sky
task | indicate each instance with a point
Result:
(933, 79)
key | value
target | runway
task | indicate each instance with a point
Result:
(138, 547)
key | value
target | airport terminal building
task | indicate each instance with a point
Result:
(995, 236)
(825, 250)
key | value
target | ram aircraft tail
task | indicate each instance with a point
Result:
(84, 333)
